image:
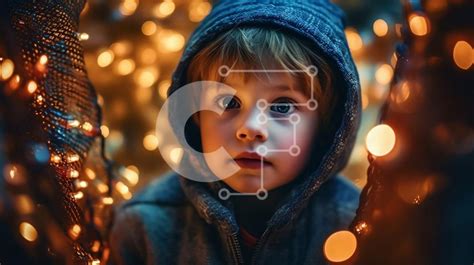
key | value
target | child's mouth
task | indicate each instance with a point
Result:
(251, 163)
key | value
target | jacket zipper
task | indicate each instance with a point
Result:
(236, 251)
(260, 243)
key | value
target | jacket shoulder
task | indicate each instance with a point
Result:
(137, 232)
(166, 191)
(162, 203)
(338, 200)
(342, 192)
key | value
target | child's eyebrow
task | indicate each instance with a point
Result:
(284, 88)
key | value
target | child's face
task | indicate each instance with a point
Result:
(237, 130)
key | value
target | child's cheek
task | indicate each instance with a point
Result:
(287, 135)
(301, 136)
(305, 132)
(282, 135)
(214, 132)
(207, 124)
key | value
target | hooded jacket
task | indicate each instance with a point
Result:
(175, 220)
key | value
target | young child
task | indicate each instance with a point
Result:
(176, 220)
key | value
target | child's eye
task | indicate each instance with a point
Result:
(283, 106)
(227, 102)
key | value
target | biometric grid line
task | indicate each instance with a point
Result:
(262, 104)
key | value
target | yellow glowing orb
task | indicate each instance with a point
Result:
(354, 40)
(462, 55)
(125, 67)
(105, 58)
(164, 9)
(380, 27)
(199, 10)
(384, 74)
(340, 246)
(380, 140)
(151, 142)
(31, 87)
(149, 28)
(6, 69)
(28, 232)
(418, 25)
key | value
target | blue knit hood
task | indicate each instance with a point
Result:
(322, 24)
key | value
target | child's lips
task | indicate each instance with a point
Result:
(251, 163)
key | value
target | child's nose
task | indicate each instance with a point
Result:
(252, 129)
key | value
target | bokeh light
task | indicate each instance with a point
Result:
(73, 173)
(170, 41)
(7, 67)
(164, 9)
(380, 140)
(13, 174)
(384, 74)
(90, 173)
(74, 231)
(107, 200)
(198, 10)
(73, 158)
(419, 25)
(149, 28)
(28, 231)
(43, 59)
(151, 142)
(55, 158)
(87, 126)
(105, 131)
(31, 87)
(163, 88)
(125, 67)
(128, 7)
(146, 77)
(361, 227)
(78, 195)
(463, 55)
(340, 246)
(41, 63)
(354, 40)
(121, 48)
(39, 99)
(380, 27)
(105, 58)
(131, 174)
(14, 83)
(83, 36)
(96, 246)
(102, 188)
(121, 187)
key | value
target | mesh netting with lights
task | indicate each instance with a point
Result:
(50, 123)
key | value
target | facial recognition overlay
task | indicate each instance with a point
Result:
(182, 104)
